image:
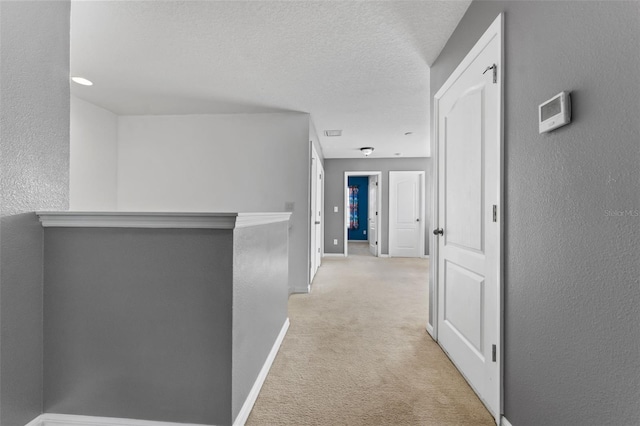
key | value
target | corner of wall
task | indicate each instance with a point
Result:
(34, 126)
(315, 139)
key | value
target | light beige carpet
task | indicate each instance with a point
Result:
(358, 248)
(357, 354)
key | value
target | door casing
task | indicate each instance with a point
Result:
(496, 29)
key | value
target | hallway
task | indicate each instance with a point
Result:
(357, 353)
(359, 248)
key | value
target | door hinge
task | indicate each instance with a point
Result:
(376, 213)
(495, 213)
(493, 67)
(376, 243)
(376, 183)
(493, 353)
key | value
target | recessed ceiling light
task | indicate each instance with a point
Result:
(82, 81)
(408, 133)
(333, 133)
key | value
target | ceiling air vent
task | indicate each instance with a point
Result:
(333, 133)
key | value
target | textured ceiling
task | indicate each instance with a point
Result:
(362, 67)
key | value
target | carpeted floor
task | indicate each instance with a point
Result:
(357, 353)
(359, 248)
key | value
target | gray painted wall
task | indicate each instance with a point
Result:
(334, 195)
(571, 263)
(223, 162)
(34, 170)
(160, 324)
(260, 297)
(137, 323)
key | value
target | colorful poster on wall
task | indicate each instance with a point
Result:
(353, 207)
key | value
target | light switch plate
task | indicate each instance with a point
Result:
(335, 209)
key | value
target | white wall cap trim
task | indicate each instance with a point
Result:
(253, 219)
(504, 421)
(49, 419)
(70, 219)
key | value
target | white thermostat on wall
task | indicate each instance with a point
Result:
(554, 113)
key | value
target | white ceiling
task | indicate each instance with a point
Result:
(362, 67)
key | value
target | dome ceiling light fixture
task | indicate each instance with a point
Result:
(367, 150)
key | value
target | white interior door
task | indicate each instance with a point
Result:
(406, 234)
(468, 115)
(315, 244)
(319, 220)
(373, 215)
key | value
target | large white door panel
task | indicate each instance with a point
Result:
(464, 304)
(407, 208)
(468, 139)
(406, 233)
(463, 157)
(406, 239)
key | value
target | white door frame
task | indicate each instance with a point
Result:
(316, 168)
(345, 223)
(496, 29)
(421, 173)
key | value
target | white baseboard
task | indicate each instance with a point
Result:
(333, 255)
(504, 422)
(243, 415)
(49, 419)
(430, 330)
(35, 422)
(384, 255)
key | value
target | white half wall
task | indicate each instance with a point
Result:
(240, 162)
(93, 157)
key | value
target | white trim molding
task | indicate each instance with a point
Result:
(430, 331)
(245, 220)
(70, 219)
(35, 422)
(333, 255)
(50, 419)
(504, 421)
(243, 415)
